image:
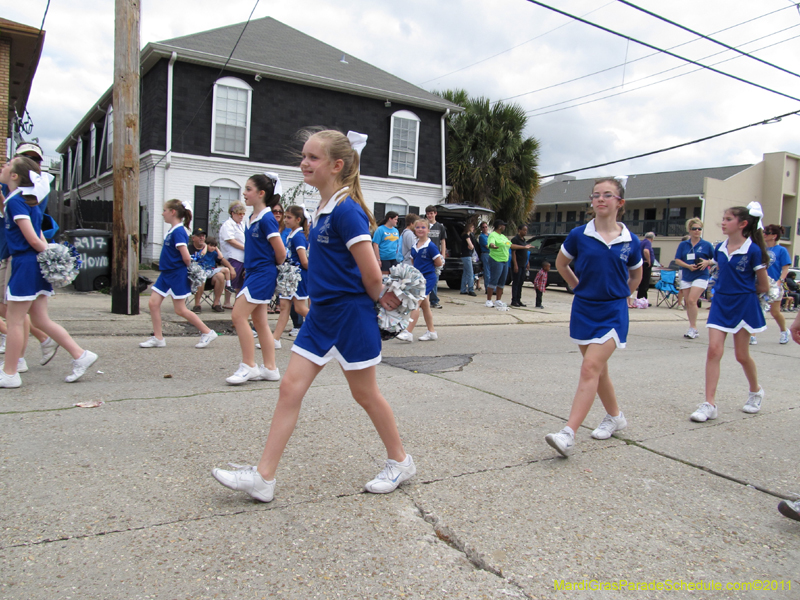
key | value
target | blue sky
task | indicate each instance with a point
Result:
(431, 43)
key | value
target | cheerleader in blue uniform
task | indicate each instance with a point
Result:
(742, 260)
(27, 290)
(426, 258)
(297, 255)
(344, 279)
(608, 268)
(263, 251)
(174, 279)
(779, 263)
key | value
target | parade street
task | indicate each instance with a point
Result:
(118, 502)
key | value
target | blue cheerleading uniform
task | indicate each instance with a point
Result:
(600, 306)
(337, 291)
(736, 304)
(295, 240)
(689, 254)
(424, 259)
(260, 271)
(778, 258)
(26, 282)
(174, 278)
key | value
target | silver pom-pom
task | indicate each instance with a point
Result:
(774, 294)
(408, 284)
(289, 277)
(59, 264)
(197, 275)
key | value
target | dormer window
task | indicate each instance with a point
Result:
(230, 128)
(404, 144)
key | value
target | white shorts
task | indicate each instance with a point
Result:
(698, 283)
(215, 271)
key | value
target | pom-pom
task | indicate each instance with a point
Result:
(59, 264)
(289, 277)
(408, 284)
(197, 275)
(774, 294)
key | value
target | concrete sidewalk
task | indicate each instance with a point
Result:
(117, 502)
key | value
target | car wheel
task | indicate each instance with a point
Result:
(453, 284)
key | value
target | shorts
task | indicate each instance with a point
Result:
(596, 322)
(173, 283)
(5, 273)
(498, 273)
(259, 286)
(388, 264)
(698, 283)
(215, 271)
(237, 282)
(346, 330)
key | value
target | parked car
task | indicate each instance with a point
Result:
(546, 248)
(454, 218)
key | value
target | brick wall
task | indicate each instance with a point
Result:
(5, 69)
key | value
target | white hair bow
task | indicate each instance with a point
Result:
(40, 187)
(357, 141)
(623, 180)
(755, 210)
(186, 206)
(278, 188)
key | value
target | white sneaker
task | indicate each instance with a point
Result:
(269, 374)
(405, 336)
(429, 336)
(563, 441)
(2, 343)
(246, 479)
(609, 425)
(244, 373)
(753, 340)
(153, 342)
(277, 344)
(294, 332)
(754, 400)
(499, 304)
(392, 475)
(49, 349)
(705, 412)
(784, 337)
(258, 346)
(489, 304)
(691, 334)
(9, 381)
(79, 366)
(22, 366)
(206, 339)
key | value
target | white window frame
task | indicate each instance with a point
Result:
(92, 150)
(227, 184)
(396, 202)
(79, 162)
(109, 141)
(231, 82)
(408, 116)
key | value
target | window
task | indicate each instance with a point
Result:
(403, 143)
(230, 128)
(79, 161)
(677, 213)
(110, 137)
(92, 149)
(572, 215)
(221, 194)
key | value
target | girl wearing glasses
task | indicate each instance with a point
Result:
(694, 257)
(608, 268)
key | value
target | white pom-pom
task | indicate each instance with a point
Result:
(59, 264)
(197, 275)
(408, 284)
(289, 277)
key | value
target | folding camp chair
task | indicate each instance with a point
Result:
(667, 292)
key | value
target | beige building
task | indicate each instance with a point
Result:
(662, 202)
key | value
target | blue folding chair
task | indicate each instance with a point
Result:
(667, 292)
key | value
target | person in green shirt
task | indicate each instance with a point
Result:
(499, 245)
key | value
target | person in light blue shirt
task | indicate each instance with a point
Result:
(386, 242)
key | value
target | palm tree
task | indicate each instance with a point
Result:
(489, 161)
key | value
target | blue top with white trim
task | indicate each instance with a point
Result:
(258, 252)
(424, 258)
(689, 254)
(15, 209)
(333, 272)
(602, 268)
(737, 270)
(296, 239)
(171, 258)
(778, 258)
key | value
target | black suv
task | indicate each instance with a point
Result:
(454, 218)
(546, 248)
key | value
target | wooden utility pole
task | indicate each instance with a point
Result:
(125, 262)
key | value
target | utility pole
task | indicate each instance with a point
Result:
(125, 261)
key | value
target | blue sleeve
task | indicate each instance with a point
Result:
(435, 252)
(784, 258)
(757, 257)
(350, 222)
(179, 236)
(680, 253)
(636, 256)
(571, 243)
(300, 240)
(18, 207)
(269, 226)
(376, 239)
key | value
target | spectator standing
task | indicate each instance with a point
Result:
(694, 256)
(483, 244)
(499, 246)
(386, 242)
(468, 245)
(647, 266)
(231, 243)
(540, 283)
(519, 262)
(408, 239)
(437, 235)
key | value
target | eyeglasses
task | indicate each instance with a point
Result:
(697, 229)
(606, 196)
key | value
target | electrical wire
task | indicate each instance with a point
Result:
(657, 53)
(697, 141)
(667, 52)
(705, 37)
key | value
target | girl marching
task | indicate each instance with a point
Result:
(599, 319)
(297, 255)
(742, 260)
(344, 278)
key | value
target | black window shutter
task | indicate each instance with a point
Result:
(380, 211)
(200, 217)
(414, 210)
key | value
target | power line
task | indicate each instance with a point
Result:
(667, 52)
(697, 141)
(656, 53)
(654, 75)
(705, 37)
(513, 47)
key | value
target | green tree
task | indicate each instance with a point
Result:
(489, 161)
